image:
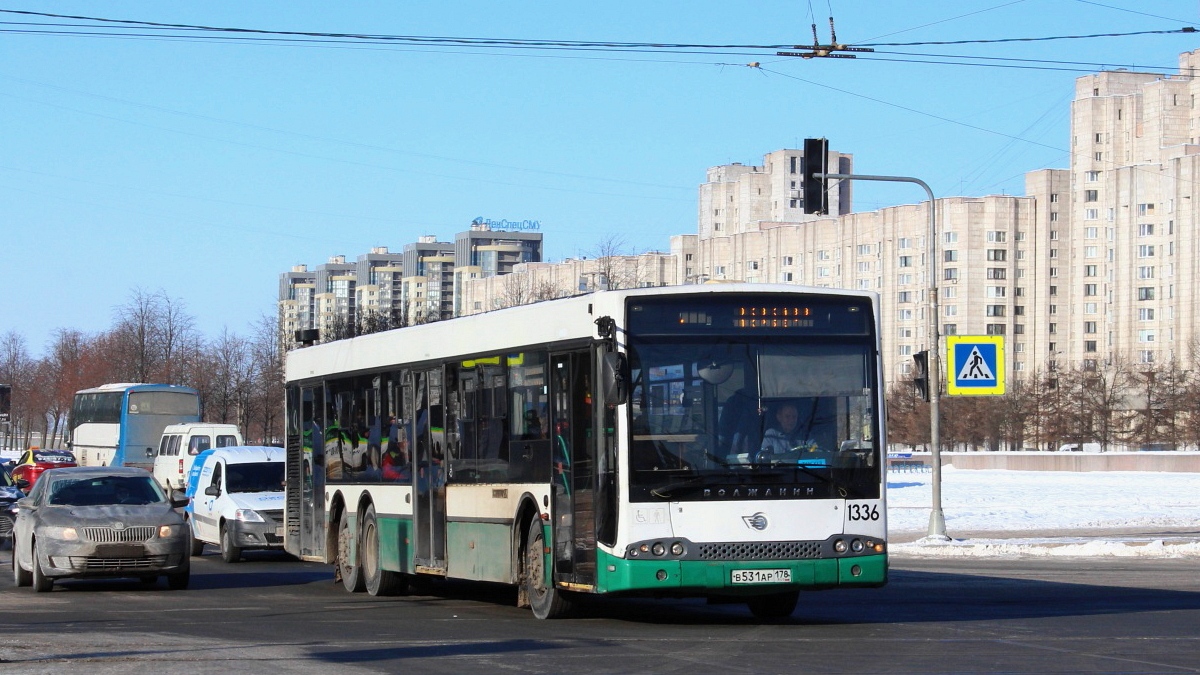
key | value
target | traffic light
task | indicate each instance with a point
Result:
(921, 374)
(816, 161)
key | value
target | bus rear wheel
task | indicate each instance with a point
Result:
(546, 601)
(378, 580)
(774, 606)
(351, 575)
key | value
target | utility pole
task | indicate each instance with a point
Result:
(815, 175)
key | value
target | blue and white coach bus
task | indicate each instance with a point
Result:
(720, 441)
(121, 424)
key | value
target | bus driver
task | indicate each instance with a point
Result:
(785, 437)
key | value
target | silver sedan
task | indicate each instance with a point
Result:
(99, 522)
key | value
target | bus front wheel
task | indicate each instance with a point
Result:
(546, 601)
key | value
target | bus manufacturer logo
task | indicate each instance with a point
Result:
(757, 521)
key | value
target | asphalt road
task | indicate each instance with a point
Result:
(272, 614)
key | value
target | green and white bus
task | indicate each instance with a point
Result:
(718, 440)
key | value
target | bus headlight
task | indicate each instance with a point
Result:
(658, 548)
(840, 545)
(677, 548)
(856, 545)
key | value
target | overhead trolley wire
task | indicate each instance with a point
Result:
(1185, 29)
(509, 43)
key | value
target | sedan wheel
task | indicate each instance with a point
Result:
(41, 582)
(21, 576)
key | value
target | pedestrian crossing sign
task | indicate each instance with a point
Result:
(975, 365)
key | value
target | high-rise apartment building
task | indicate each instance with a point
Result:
(297, 302)
(1129, 259)
(495, 251)
(335, 294)
(377, 288)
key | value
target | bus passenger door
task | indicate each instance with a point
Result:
(573, 465)
(310, 521)
(429, 509)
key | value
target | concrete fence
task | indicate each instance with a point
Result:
(1068, 461)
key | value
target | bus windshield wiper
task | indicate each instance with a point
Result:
(664, 491)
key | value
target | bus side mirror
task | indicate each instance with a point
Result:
(149, 452)
(614, 369)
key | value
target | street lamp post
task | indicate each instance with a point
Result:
(937, 519)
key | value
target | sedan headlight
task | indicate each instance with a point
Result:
(248, 516)
(63, 533)
(165, 531)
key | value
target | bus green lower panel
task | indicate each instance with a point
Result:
(700, 576)
(395, 544)
(479, 551)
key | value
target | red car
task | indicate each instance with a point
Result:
(34, 462)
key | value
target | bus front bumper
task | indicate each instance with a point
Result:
(738, 578)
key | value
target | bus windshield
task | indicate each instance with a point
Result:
(743, 418)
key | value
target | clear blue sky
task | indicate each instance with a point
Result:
(205, 167)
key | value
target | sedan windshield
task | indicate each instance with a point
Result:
(105, 491)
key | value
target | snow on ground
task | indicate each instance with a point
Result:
(1047, 513)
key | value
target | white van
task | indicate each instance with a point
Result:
(236, 499)
(181, 443)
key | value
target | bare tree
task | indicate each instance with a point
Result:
(517, 290)
(907, 415)
(154, 339)
(16, 369)
(1103, 393)
(265, 403)
(136, 334)
(177, 337)
(617, 266)
(231, 367)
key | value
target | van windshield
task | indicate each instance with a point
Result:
(254, 477)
